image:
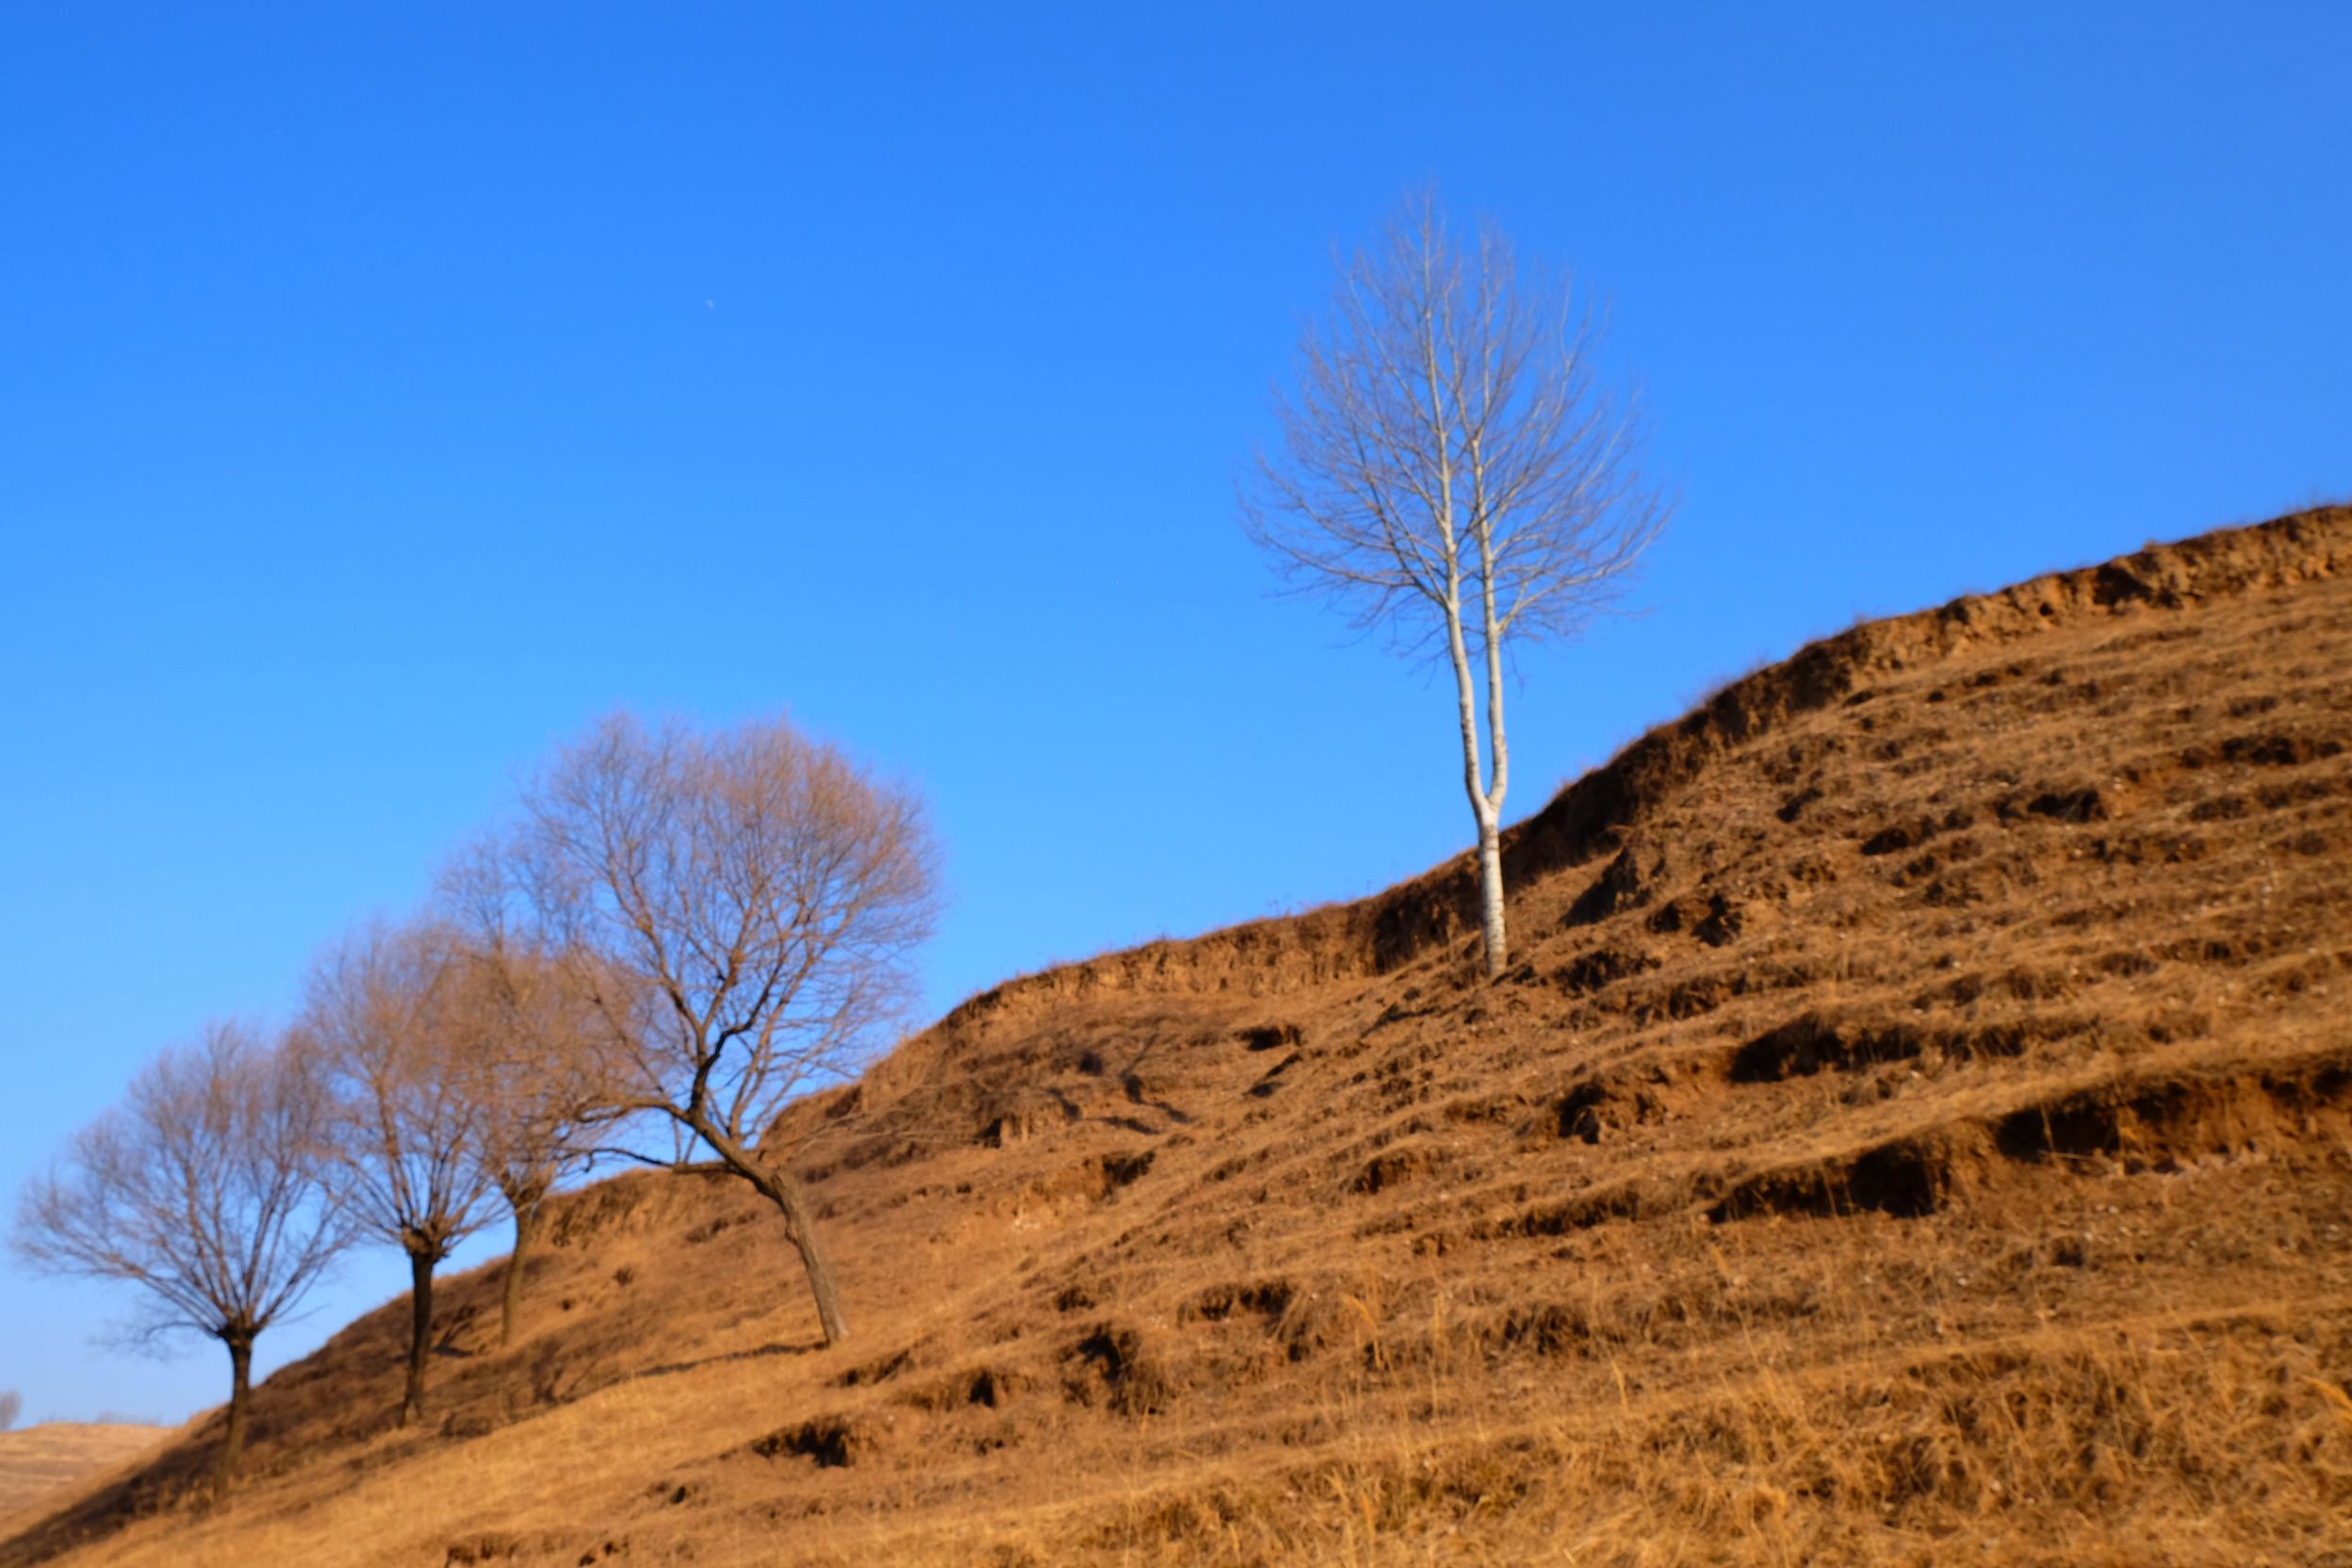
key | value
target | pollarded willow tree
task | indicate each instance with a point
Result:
(1454, 471)
(545, 1055)
(203, 1187)
(749, 899)
(387, 1018)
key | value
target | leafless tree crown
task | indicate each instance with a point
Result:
(1451, 446)
(752, 897)
(202, 1186)
(546, 1055)
(386, 1020)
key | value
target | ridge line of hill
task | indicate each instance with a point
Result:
(1384, 931)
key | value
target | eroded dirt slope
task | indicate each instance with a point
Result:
(1918, 1129)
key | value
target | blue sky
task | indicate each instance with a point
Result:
(387, 391)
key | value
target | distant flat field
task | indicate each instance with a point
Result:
(42, 1461)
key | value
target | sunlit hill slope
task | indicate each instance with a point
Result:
(39, 1461)
(1917, 1128)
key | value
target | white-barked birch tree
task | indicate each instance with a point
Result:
(1455, 473)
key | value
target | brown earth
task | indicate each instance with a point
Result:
(1917, 1128)
(39, 1464)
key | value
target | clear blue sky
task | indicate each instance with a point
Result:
(386, 391)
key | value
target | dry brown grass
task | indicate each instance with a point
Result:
(1919, 1129)
(40, 1463)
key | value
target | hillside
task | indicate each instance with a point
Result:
(37, 1464)
(1917, 1128)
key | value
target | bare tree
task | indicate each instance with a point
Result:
(408, 1117)
(1453, 471)
(759, 892)
(202, 1186)
(12, 1402)
(545, 1057)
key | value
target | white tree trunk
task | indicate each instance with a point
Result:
(1491, 812)
(1491, 895)
(1484, 807)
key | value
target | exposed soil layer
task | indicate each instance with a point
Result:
(1917, 1127)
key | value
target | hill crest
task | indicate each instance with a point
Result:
(1377, 934)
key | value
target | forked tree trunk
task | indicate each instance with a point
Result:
(421, 1265)
(1486, 804)
(240, 1346)
(526, 1199)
